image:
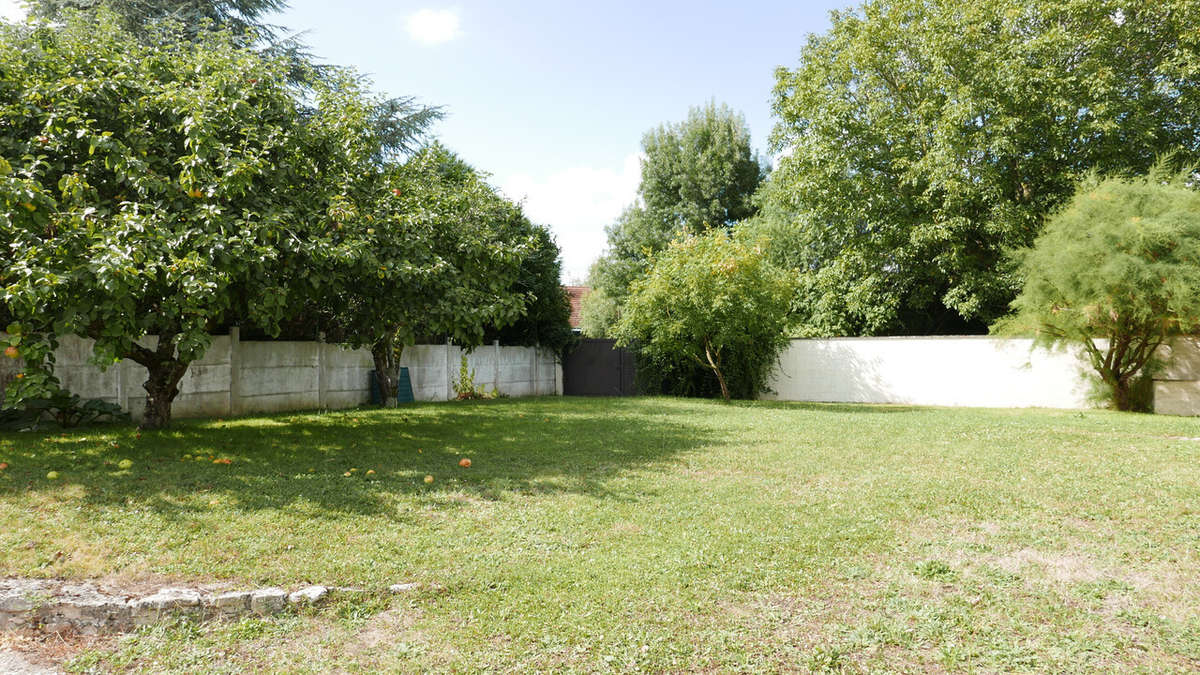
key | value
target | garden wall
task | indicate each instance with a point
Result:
(238, 378)
(961, 371)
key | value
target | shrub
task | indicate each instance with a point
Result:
(711, 302)
(466, 389)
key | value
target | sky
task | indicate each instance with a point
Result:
(552, 98)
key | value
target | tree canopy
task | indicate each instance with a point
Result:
(697, 175)
(1115, 273)
(920, 141)
(399, 124)
(700, 173)
(168, 184)
(546, 319)
(428, 249)
(240, 17)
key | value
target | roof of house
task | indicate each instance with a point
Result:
(577, 294)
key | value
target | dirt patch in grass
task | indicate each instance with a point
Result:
(384, 629)
(625, 529)
(1060, 567)
(51, 651)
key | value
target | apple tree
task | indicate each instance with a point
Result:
(429, 249)
(162, 188)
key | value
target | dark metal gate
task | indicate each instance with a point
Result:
(599, 368)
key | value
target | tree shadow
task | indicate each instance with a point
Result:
(299, 461)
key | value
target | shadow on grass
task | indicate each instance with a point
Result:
(525, 447)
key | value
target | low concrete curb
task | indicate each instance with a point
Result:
(49, 606)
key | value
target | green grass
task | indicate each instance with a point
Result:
(639, 534)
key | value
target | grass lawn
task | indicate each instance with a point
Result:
(638, 534)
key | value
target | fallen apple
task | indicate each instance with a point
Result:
(125, 463)
(428, 479)
(53, 475)
(464, 463)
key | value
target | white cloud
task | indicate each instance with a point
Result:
(12, 10)
(577, 204)
(433, 26)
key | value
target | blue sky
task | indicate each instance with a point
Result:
(552, 98)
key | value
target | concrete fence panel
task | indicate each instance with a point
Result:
(236, 378)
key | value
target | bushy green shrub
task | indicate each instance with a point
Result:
(709, 302)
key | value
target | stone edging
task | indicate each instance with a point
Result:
(54, 606)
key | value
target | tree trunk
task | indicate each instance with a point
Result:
(1121, 394)
(387, 370)
(162, 386)
(715, 364)
(165, 369)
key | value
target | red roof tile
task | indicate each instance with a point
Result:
(577, 294)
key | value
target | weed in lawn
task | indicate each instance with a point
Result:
(936, 570)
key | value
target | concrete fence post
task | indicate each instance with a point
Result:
(123, 385)
(536, 383)
(496, 351)
(235, 371)
(322, 376)
(449, 373)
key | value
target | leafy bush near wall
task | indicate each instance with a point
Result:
(63, 409)
(709, 302)
(34, 397)
(465, 388)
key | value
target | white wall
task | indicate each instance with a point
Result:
(237, 378)
(950, 371)
(1177, 387)
(963, 371)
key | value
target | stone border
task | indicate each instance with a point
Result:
(54, 606)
